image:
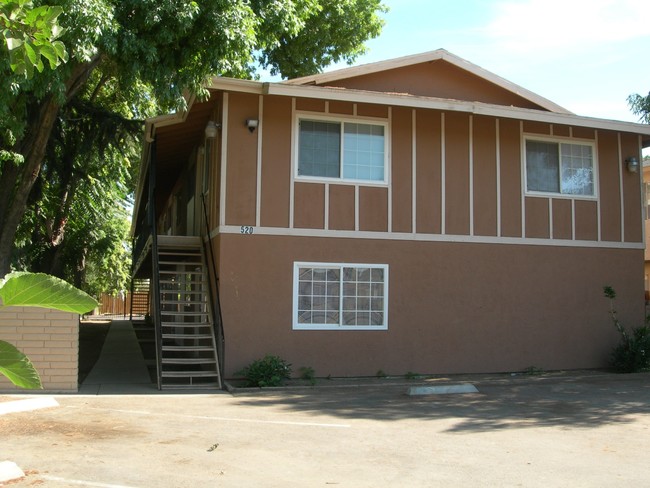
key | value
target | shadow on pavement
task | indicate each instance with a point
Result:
(582, 402)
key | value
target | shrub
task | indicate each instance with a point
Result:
(269, 371)
(632, 354)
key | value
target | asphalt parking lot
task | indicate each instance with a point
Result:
(573, 429)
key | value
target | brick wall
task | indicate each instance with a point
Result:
(50, 339)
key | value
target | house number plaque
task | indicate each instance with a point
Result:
(246, 229)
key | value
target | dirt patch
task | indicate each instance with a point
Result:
(25, 425)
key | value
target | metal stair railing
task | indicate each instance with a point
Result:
(155, 268)
(215, 304)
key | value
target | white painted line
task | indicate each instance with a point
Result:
(225, 419)
(442, 389)
(81, 482)
(27, 405)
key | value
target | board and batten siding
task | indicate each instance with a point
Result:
(452, 177)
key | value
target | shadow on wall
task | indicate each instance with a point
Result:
(519, 403)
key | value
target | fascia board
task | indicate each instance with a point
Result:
(368, 68)
(477, 108)
(233, 84)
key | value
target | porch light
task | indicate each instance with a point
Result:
(211, 130)
(632, 164)
(252, 124)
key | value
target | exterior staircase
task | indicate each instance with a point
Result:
(186, 345)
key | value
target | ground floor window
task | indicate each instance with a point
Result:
(340, 296)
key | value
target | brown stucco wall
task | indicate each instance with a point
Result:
(491, 206)
(241, 175)
(453, 307)
(485, 176)
(276, 162)
(428, 172)
(435, 79)
(50, 338)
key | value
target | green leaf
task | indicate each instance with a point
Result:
(31, 54)
(18, 368)
(50, 54)
(40, 290)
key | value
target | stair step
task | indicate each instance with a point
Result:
(183, 314)
(181, 292)
(187, 348)
(188, 361)
(184, 282)
(197, 386)
(186, 324)
(187, 336)
(188, 374)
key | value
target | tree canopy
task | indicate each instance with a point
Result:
(70, 127)
(640, 106)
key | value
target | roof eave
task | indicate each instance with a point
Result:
(476, 108)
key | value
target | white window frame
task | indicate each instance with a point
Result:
(298, 326)
(320, 117)
(560, 140)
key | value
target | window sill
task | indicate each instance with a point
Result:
(339, 181)
(341, 327)
(563, 196)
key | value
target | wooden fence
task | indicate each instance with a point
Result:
(120, 305)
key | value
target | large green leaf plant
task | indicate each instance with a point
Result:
(22, 289)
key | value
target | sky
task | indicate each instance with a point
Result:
(586, 55)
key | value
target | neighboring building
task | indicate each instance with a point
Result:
(419, 214)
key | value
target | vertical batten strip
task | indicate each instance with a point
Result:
(294, 162)
(356, 207)
(327, 106)
(224, 162)
(573, 219)
(471, 175)
(550, 218)
(414, 173)
(597, 190)
(326, 217)
(389, 210)
(523, 178)
(644, 204)
(498, 162)
(620, 186)
(443, 163)
(258, 189)
(354, 109)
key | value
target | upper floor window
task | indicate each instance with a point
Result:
(342, 149)
(560, 167)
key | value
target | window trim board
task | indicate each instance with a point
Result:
(342, 119)
(294, 312)
(560, 140)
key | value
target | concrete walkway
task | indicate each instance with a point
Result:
(121, 367)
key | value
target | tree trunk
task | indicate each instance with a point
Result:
(14, 203)
(35, 151)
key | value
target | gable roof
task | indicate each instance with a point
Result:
(333, 77)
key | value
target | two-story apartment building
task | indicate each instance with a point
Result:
(419, 214)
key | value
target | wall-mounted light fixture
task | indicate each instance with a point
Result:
(211, 130)
(252, 124)
(632, 164)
